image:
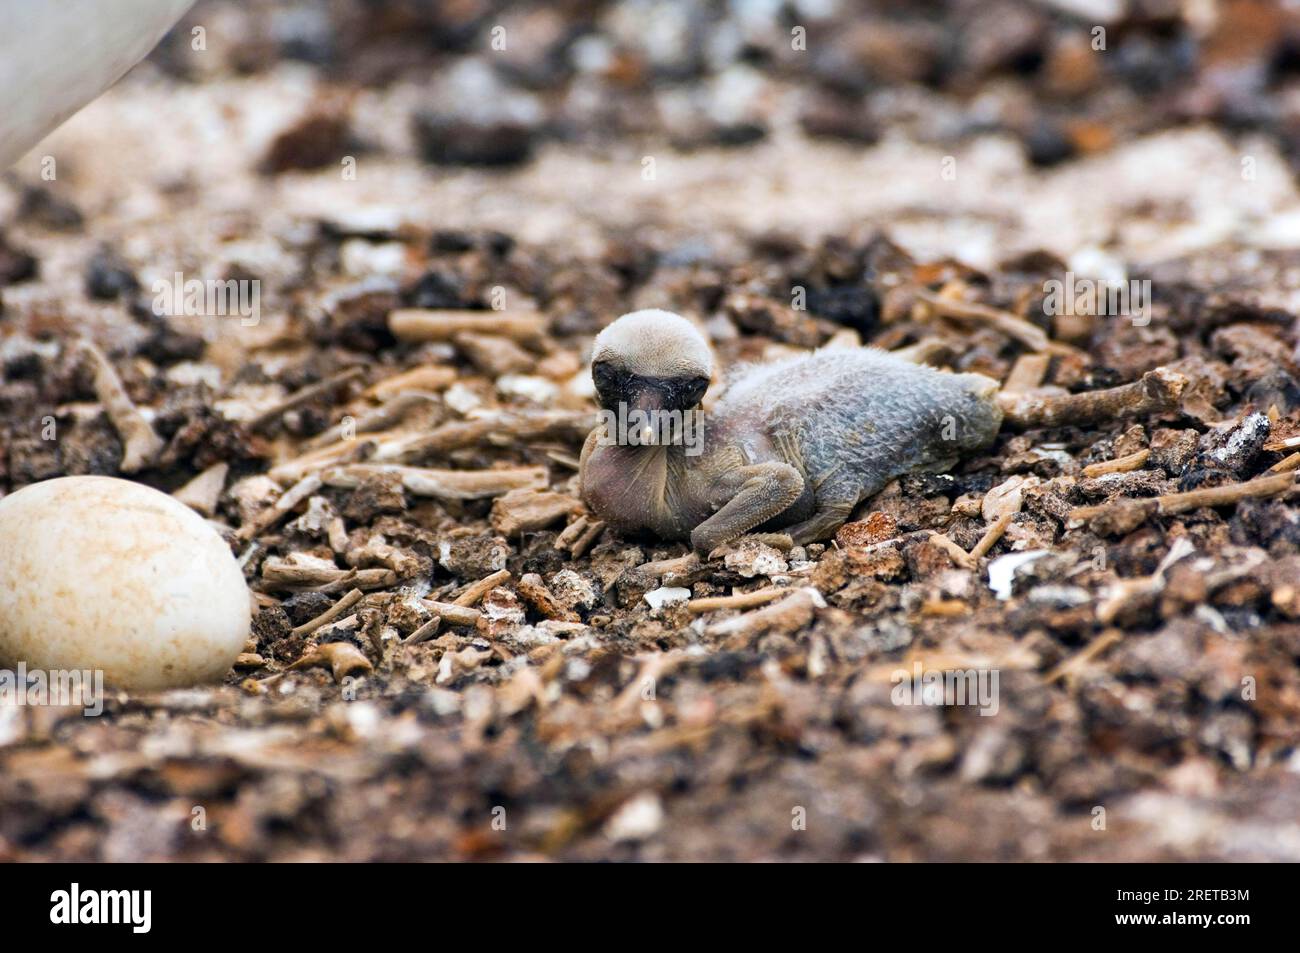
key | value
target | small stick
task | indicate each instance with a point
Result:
(564, 459)
(1027, 373)
(289, 499)
(571, 533)
(300, 397)
(451, 613)
(416, 325)
(1013, 326)
(739, 600)
(1194, 499)
(330, 614)
(1286, 465)
(791, 613)
(944, 608)
(425, 632)
(1084, 655)
(345, 626)
(257, 686)
(140, 445)
(443, 484)
(334, 454)
(663, 567)
(1158, 390)
(477, 590)
(337, 533)
(1124, 464)
(428, 377)
(959, 556)
(1285, 443)
(278, 574)
(578, 536)
(991, 537)
(354, 575)
(587, 539)
(383, 417)
(923, 351)
(652, 667)
(1125, 594)
(514, 427)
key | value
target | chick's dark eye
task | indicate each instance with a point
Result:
(695, 390)
(608, 379)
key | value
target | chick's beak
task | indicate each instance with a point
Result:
(647, 396)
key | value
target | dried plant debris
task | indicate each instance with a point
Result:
(1080, 642)
(439, 619)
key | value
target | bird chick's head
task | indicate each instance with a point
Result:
(651, 360)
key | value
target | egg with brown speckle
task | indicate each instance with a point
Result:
(105, 574)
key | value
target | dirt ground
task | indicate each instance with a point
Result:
(505, 678)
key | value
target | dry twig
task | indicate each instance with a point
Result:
(427, 377)
(1287, 464)
(426, 324)
(477, 590)
(991, 536)
(140, 445)
(1157, 391)
(579, 536)
(1013, 326)
(451, 613)
(1172, 503)
(505, 428)
(300, 397)
(1124, 464)
(788, 615)
(443, 484)
(283, 506)
(425, 632)
(329, 615)
(739, 600)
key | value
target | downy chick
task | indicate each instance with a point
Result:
(791, 446)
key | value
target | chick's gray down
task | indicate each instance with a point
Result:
(855, 418)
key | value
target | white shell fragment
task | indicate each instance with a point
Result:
(658, 598)
(638, 819)
(1002, 571)
(104, 574)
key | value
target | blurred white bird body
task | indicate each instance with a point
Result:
(58, 55)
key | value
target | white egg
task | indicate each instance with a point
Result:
(104, 574)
